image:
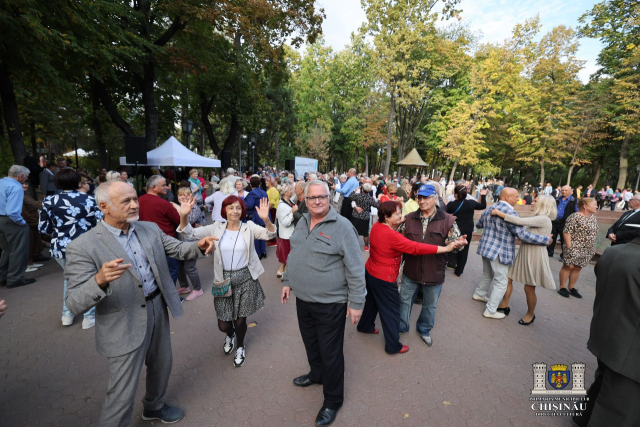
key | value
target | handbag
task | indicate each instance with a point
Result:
(222, 289)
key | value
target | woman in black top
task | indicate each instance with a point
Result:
(463, 210)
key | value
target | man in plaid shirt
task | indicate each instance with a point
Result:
(497, 248)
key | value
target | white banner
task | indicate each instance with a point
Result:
(305, 165)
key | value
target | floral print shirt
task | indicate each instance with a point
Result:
(65, 216)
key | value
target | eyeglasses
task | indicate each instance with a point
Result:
(317, 198)
(392, 193)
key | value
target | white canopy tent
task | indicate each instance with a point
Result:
(81, 153)
(173, 153)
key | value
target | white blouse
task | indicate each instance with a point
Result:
(233, 250)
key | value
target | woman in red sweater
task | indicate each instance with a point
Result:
(387, 247)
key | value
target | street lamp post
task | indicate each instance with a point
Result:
(638, 178)
(253, 153)
(187, 128)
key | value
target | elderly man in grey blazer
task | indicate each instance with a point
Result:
(132, 323)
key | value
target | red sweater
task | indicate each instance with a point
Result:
(158, 210)
(386, 249)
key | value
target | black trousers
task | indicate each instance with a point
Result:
(556, 231)
(382, 297)
(459, 259)
(322, 329)
(613, 400)
(346, 209)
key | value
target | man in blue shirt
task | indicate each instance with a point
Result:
(567, 205)
(14, 231)
(346, 190)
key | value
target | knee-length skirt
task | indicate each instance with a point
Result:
(247, 296)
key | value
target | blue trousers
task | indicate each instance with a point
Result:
(174, 268)
(427, 318)
(382, 297)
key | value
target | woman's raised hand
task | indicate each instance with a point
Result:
(263, 210)
(186, 205)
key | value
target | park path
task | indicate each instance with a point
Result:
(478, 372)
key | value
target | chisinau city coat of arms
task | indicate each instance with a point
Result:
(559, 376)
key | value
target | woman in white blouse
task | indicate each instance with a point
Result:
(284, 214)
(226, 189)
(235, 258)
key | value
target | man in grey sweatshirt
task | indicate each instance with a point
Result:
(326, 272)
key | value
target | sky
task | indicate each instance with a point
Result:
(495, 20)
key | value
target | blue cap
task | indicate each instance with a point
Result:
(427, 190)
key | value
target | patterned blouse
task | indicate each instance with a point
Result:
(365, 201)
(65, 216)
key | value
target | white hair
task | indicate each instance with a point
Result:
(101, 193)
(316, 182)
(112, 176)
(366, 187)
(284, 188)
(153, 181)
(231, 171)
(228, 187)
(17, 170)
(546, 205)
(313, 177)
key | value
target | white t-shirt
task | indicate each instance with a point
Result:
(233, 249)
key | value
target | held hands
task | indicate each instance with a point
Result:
(355, 315)
(186, 204)
(263, 210)
(207, 244)
(286, 293)
(612, 237)
(111, 271)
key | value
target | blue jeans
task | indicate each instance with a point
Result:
(174, 268)
(91, 313)
(427, 317)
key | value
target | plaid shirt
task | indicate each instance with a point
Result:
(498, 237)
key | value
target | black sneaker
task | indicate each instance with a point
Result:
(240, 357)
(167, 414)
(229, 343)
(24, 282)
(564, 292)
(575, 293)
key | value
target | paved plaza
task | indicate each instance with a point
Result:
(478, 372)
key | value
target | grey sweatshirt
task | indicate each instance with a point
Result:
(325, 265)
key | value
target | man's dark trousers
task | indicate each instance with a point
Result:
(322, 329)
(14, 241)
(382, 297)
(557, 228)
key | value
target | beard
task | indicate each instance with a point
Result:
(134, 219)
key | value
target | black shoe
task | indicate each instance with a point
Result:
(418, 301)
(167, 414)
(505, 310)
(451, 266)
(522, 322)
(23, 283)
(574, 292)
(561, 258)
(326, 416)
(3, 283)
(303, 381)
(41, 258)
(564, 292)
(550, 255)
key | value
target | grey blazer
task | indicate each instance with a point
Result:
(121, 316)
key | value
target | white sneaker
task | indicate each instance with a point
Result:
(479, 298)
(67, 320)
(240, 357)
(496, 315)
(88, 322)
(35, 265)
(31, 269)
(229, 344)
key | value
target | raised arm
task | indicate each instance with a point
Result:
(527, 237)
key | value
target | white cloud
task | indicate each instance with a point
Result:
(494, 18)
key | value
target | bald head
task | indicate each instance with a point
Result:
(352, 172)
(509, 195)
(566, 191)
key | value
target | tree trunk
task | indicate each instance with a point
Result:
(34, 145)
(147, 81)
(234, 131)
(387, 163)
(11, 118)
(97, 127)
(596, 176)
(624, 162)
(366, 162)
(453, 170)
(542, 172)
(205, 109)
(277, 147)
(101, 91)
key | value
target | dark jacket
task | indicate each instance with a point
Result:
(302, 209)
(614, 337)
(568, 210)
(427, 269)
(624, 233)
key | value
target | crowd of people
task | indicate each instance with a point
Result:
(129, 257)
